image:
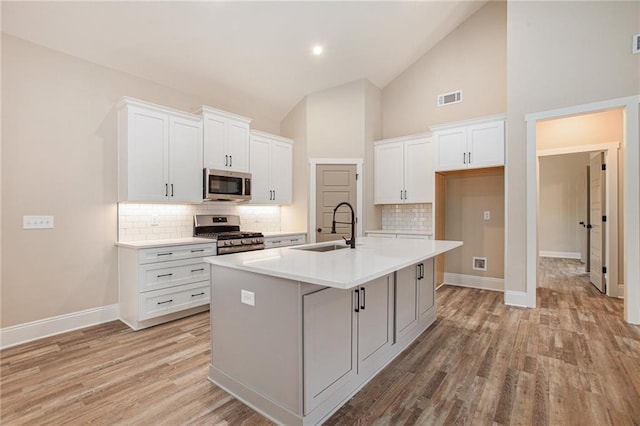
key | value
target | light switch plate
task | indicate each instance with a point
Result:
(37, 222)
(248, 297)
(487, 215)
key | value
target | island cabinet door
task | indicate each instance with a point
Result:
(375, 323)
(406, 300)
(427, 292)
(329, 348)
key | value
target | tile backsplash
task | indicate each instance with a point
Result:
(137, 222)
(407, 217)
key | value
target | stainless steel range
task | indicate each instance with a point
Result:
(225, 230)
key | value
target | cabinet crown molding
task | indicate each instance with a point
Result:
(271, 136)
(128, 101)
(203, 109)
(425, 135)
(473, 121)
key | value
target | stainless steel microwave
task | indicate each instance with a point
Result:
(225, 185)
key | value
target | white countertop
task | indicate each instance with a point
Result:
(343, 268)
(162, 243)
(283, 233)
(398, 231)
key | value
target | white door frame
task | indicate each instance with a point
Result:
(611, 203)
(313, 162)
(631, 211)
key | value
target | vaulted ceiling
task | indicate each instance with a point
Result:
(261, 51)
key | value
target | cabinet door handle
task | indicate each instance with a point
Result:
(164, 275)
(231, 161)
(357, 300)
(165, 254)
(401, 194)
(197, 294)
(226, 160)
(364, 302)
(166, 189)
(464, 158)
(172, 190)
(469, 157)
(196, 250)
(197, 270)
(166, 301)
(405, 194)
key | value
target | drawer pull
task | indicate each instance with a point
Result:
(294, 240)
(276, 241)
(198, 294)
(197, 270)
(165, 254)
(166, 301)
(165, 275)
(197, 250)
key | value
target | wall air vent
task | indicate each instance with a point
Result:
(450, 98)
(636, 43)
(479, 263)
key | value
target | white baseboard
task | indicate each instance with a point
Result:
(474, 281)
(515, 298)
(23, 333)
(560, 254)
(620, 291)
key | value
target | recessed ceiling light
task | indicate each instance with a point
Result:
(317, 50)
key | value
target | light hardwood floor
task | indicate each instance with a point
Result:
(572, 360)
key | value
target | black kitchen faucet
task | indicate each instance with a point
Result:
(352, 241)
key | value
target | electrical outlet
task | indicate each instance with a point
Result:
(487, 215)
(37, 222)
(154, 220)
(248, 297)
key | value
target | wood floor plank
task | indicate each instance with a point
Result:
(571, 360)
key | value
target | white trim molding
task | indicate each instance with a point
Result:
(560, 254)
(313, 162)
(474, 281)
(27, 332)
(516, 298)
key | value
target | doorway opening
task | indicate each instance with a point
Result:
(578, 211)
(631, 205)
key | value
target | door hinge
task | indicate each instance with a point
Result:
(604, 269)
(356, 176)
(604, 167)
(604, 218)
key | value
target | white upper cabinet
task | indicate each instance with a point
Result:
(159, 153)
(271, 166)
(403, 170)
(226, 140)
(469, 146)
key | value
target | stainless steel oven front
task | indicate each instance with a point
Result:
(225, 185)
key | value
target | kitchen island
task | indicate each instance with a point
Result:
(296, 331)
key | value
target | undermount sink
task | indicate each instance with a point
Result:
(323, 248)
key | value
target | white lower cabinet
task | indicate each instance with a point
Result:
(346, 334)
(163, 283)
(414, 298)
(399, 235)
(284, 240)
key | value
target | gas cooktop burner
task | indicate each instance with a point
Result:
(226, 231)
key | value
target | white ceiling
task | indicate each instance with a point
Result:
(256, 50)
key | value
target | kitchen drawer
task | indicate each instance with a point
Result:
(163, 254)
(155, 276)
(166, 301)
(284, 241)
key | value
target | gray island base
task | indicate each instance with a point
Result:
(296, 333)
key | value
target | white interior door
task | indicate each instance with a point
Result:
(596, 225)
